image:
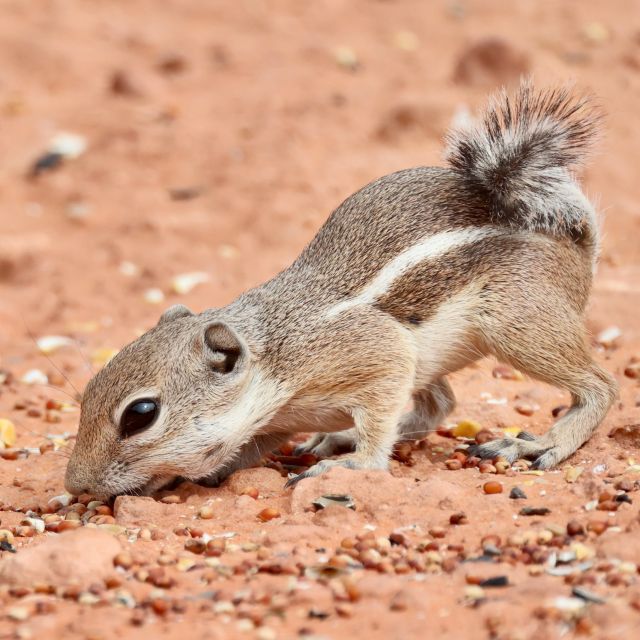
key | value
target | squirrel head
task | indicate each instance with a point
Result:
(163, 407)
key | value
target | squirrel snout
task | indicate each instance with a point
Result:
(75, 480)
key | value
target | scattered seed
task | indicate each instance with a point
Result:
(466, 429)
(206, 512)
(632, 370)
(19, 614)
(35, 376)
(458, 518)
(526, 409)
(216, 547)
(597, 526)
(251, 492)
(505, 372)
(124, 560)
(571, 474)
(492, 487)
(574, 528)
(7, 433)
(502, 466)
(268, 514)
(474, 593)
(608, 337)
(346, 58)
(68, 525)
(195, 545)
(185, 282)
(486, 435)
(154, 296)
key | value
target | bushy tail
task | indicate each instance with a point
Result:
(520, 157)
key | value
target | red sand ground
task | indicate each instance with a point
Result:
(272, 113)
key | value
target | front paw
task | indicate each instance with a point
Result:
(353, 461)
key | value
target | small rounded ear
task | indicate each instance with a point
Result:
(175, 312)
(224, 347)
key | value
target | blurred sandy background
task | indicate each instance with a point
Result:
(212, 139)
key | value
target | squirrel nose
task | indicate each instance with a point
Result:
(75, 483)
(75, 489)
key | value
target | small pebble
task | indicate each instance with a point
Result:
(458, 518)
(505, 372)
(347, 58)
(492, 487)
(517, 493)
(608, 337)
(185, 282)
(574, 528)
(526, 409)
(19, 614)
(486, 435)
(466, 429)
(496, 581)
(153, 296)
(124, 560)
(206, 512)
(268, 514)
(252, 492)
(534, 511)
(632, 370)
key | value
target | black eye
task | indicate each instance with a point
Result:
(138, 416)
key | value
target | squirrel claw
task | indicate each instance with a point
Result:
(294, 479)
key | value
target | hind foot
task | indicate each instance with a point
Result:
(544, 453)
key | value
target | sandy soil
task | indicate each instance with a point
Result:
(218, 138)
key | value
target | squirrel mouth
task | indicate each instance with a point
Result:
(155, 483)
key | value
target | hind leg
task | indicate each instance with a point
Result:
(430, 406)
(553, 350)
(325, 445)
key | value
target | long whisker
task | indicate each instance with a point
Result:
(84, 356)
(74, 398)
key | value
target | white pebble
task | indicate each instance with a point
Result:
(68, 145)
(266, 633)
(63, 499)
(185, 282)
(154, 296)
(20, 614)
(129, 269)
(608, 337)
(36, 523)
(35, 376)
(568, 605)
(49, 344)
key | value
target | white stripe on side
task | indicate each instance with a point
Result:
(430, 247)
